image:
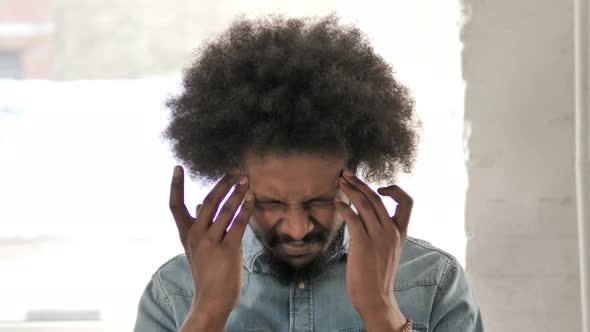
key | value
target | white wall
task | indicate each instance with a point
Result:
(520, 204)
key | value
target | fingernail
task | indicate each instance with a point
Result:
(347, 173)
(249, 196)
(177, 171)
(337, 199)
(243, 180)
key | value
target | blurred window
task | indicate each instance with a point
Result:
(10, 65)
(84, 174)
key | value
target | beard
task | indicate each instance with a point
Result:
(286, 273)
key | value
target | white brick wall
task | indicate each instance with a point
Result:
(520, 205)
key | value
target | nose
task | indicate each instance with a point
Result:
(296, 223)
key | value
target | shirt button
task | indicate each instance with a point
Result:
(301, 285)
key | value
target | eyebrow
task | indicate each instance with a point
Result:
(321, 197)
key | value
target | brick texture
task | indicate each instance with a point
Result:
(520, 205)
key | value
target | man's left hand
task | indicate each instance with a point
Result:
(376, 243)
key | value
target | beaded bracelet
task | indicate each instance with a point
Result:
(408, 326)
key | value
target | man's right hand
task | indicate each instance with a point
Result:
(214, 254)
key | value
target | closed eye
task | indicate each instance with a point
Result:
(274, 204)
(319, 202)
(269, 204)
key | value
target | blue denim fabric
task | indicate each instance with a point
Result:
(431, 288)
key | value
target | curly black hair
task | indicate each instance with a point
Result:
(279, 85)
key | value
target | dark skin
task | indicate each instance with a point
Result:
(215, 256)
(294, 198)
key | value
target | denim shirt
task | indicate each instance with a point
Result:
(430, 287)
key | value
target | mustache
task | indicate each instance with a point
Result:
(321, 234)
(276, 239)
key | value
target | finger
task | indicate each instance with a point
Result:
(375, 200)
(356, 228)
(197, 210)
(227, 211)
(405, 203)
(365, 209)
(213, 199)
(236, 232)
(176, 204)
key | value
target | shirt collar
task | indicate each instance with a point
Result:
(252, 248)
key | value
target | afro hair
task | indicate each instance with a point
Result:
(281, 85)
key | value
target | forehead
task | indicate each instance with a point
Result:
(293, 177)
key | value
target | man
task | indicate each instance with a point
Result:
(287, 112)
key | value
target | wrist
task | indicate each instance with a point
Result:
(200, 319)
(384, 318)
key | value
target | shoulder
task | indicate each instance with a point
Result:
(174, 277)
(423, 264)
(415, 246)
(452, 301)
